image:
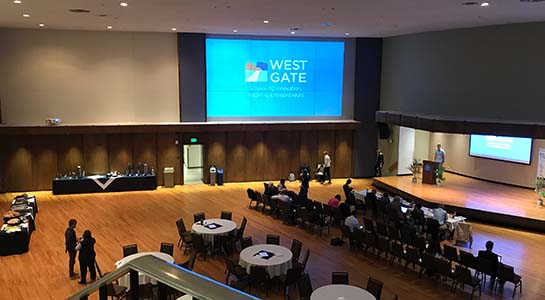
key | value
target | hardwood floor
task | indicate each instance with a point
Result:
(148, 218)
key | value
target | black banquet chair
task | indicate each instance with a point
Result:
(167, 248)
(198, 217)
(507, 274)
(374, 286)
(296, 247)
(273, 239)
(339, 278)
(305, 287)
(130, 250)
(226, 215)
(463, 276)
(185, 236)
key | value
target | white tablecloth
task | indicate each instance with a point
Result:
(451, 222)
(277, 265)
(227, 227)
(341, 292)
(142, 278)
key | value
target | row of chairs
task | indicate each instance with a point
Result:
(167, 248)
(200, 216)
(374, 286)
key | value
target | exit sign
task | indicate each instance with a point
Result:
(193, 140)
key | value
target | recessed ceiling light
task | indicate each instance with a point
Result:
(42, 25)
(109, 27)
(124, 4)
(17, 1)
(26, 15)
(266, 21)
(173, 29)
(293, 32)
(346, 33)
(484, 4)
(235, 30)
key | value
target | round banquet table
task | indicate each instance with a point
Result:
(276, 265)
(341, 292)
(227, 227)
(142, 278)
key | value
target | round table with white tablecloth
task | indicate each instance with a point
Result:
(142, 278)
(341, 292)
(276, 259)
(211, 227)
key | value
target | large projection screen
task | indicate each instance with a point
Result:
(275, 79)
(505, 148)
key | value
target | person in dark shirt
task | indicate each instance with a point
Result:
(380, 163)
(418, 218)
(305, 178)
(71, 242)
(347, 188)
(87, 257)
(491, 257)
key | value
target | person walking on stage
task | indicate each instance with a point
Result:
(71, 242)
(327, 167)
(87, 257)
(379, 164)
(439, 156)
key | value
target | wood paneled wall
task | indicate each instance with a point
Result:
(271, 155)
(30, 162)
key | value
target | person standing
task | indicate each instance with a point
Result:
(379, 164)
(327, 167)
(71, 242)
(439, 156)
(87, 257)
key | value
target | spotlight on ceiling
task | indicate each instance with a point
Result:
(124, 4)
(109, 27)
(42, 25)
(485, 4)
(266, 21)
(17, 1)
(26, 15)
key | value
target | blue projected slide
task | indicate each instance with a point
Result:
(513, 149)
(273, 78)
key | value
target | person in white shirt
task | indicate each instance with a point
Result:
(327, 167)
(352, 222)
(439, 156)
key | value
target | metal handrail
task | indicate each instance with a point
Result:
(171, 275)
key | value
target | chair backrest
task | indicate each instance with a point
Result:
(197, 241)
(397, 249)
(273, 239)
(305, 287)
(130, 250)
(374, 286)
(191, 262)
(167, 248)
(463, 232)
(369, 225)
(506, 273)
(421, 244)
(226, 215)
(428, 261)
(357, 237)
(443, 266)
(240, 231)
(296, 247)
(370, 239)
(463, 275)
(450, 253)
(246, 242)
(412, 255)
(467, 259)
(259, 274)
(251, 194)
(393, 233)
(293, 276)
(485, 266)
(339, 278)
(382, 229)
(181, 226)
(198, 217)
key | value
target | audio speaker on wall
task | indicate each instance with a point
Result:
(383, 131)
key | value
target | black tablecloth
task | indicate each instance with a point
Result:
(14, 243)
(88, 185)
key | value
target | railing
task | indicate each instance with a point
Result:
(167, 275)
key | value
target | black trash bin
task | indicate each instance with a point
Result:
(220, 177)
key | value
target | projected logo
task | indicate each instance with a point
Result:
(257, 72)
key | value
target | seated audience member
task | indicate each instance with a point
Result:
(491, 257)
(282, 186)
(352, 222)
(408, 232)
(344, 209)
(270, 189)
(434, 246)
(418, 218)
(371, 201)
(283, 196)
(334, 202)
(320, 173)
(382, 203)
(395, 214)
(347, 189)
(440, 214)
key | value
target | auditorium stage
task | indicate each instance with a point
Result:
(475, 199)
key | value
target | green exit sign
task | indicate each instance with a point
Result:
(193, 140)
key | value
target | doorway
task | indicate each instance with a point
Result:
(193, 167)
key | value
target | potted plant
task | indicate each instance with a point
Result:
(540, 189)
(439, 175)
(413, 167)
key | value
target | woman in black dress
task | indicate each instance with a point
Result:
(87, 257)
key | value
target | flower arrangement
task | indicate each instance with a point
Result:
(413, 167)
(540, 189)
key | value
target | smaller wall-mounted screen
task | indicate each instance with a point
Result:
(274, 78)
(506, 148)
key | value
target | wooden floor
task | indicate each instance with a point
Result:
(148, 218)
(475, 194)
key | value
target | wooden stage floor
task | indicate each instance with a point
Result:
(481, 200)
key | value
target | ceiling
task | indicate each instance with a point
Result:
(324, 18)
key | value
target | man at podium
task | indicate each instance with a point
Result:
(439, 156)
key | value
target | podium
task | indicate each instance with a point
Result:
(428, 174)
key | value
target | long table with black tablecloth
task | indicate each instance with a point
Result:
(15, 239)
(102, 183)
